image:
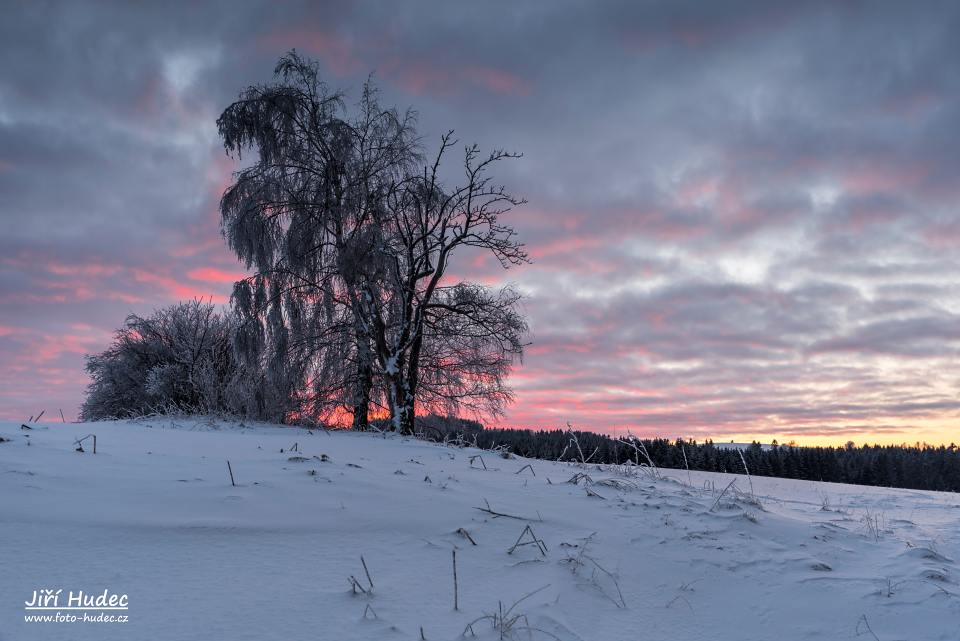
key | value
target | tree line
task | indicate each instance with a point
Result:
(919, 467)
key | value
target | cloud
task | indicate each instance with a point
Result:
(742, 217)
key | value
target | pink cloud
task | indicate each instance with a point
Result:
(88, 269)
(337, 53)
(435, 76)
(173, 287)
(565, 246)
(945, 235)
(214, 275)
(883, 179)
(189, 249)
(499, 81)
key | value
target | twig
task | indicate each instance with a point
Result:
(37, 420)
(61, 417)
(230, 469)
(527, 466)
(475, 457)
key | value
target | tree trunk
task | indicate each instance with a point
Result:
(364, 382)
(401, 404)
(407, 415)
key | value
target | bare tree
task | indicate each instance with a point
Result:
(424, 226)
(351, 244)
(472, 336)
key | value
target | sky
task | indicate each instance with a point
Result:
(743, 216)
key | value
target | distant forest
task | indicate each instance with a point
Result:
(920, 467)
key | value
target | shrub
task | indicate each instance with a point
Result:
(180, 358)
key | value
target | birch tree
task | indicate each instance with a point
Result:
(301, 213)
(351, 238)
(424, 226)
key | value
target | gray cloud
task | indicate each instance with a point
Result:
(743, 215)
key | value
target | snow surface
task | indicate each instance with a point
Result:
(153, 515)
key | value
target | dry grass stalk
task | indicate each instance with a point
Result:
(594, 494)
(580, 476)
(462, 532)
(749, 478)
(79, 442)
(495, 514)
(505, 622)
(717, 502)
(533, 541)
(456, 591)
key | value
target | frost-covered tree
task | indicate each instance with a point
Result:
(471, 337)
(411, 310)
(351, 238)
(180, 358)
(302, 214)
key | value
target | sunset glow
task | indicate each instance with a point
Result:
(739, 228)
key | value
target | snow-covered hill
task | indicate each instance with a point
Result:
(153, 515)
